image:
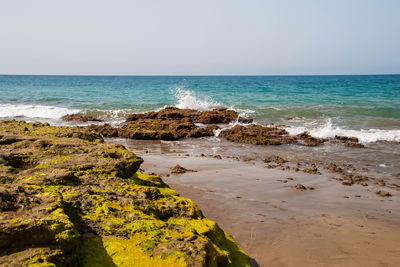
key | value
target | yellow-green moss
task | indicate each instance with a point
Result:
(111, 251)
(78, 192)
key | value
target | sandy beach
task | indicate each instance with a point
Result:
(328, 224)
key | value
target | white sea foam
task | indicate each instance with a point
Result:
(364, 136)
(187, 99)
(242, 112)
(34, 111)
(227, 126)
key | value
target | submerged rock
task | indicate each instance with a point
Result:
(70, 199)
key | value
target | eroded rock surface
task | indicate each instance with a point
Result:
(215, 116)
(69, 199)
(173, 123)
(79, 118)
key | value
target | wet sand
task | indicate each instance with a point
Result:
(276, 224)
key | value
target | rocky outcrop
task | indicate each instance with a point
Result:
(173, 124)
(347, 141)
(273, 135)
(79, 118)
(308, 140)
(215, 116)
(156, 129)
(258, 135)
(70, 199)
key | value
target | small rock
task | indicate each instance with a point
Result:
(179, 169)
(300, 187)
(347, 183)
(381, 183)
(384, 193)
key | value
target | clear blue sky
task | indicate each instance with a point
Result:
(199, 37)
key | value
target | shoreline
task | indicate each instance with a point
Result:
(275, 223)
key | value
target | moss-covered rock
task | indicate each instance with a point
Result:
(69, 199)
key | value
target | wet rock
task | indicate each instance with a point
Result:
(351, 144)
(381, 183)
(310, 140)
(257, 134)
(276, 159)
(332, 167)
(105, 130)
(178, 169)
(160, 129)
(348, 141)
(300, 187)
(312, 170)
(217, 157)
(79, 118)
(215, 116)
(383, 193)
(347, 183)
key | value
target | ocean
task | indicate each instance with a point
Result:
(364, 106)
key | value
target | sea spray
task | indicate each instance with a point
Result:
(328, 130)
(188, 100)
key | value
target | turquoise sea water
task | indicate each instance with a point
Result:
(366, 106)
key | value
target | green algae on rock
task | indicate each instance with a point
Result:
(70, 199)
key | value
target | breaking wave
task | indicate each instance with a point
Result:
(34, 111)
(187, 99)
(364, 136)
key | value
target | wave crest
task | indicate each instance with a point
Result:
(328, 130)
(34, 111)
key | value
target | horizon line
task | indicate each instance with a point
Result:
(199, 75)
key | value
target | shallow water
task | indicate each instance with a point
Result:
(379, 160)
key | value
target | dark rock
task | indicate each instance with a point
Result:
(300, 187)
(312, 170)
(178, 169)
(384, 193)
(105, 130)
(348, 141)
(79, 118)
(309, 140)
(332, 167)
(277, 159)
(347, 183)
(257, 134)
(215, 116)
